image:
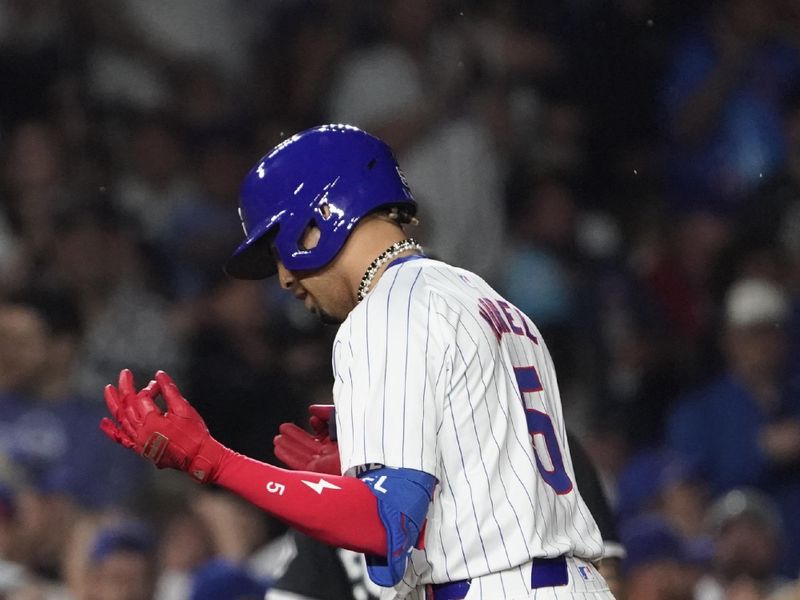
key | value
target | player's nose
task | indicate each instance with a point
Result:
(284, 276)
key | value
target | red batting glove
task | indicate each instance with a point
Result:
(321, 414)
(127, 412)
(176, 439)
(302, 451)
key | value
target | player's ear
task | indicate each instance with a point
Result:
(310, 237)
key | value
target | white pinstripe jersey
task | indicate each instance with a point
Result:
(435, 371)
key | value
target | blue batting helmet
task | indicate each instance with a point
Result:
(329, 176)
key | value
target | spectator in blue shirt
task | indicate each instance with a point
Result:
(744, 427)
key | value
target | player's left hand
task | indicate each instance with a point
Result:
(176, 439)
(303, 451)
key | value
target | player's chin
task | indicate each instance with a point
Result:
(324, 317)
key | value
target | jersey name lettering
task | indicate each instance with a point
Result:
(498, 314)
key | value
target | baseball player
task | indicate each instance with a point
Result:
(314, 571)
(456, 478)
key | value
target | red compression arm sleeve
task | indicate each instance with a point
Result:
(340, 511)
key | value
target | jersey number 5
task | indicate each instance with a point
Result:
(539, 423)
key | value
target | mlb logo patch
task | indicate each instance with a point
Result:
(585, 573)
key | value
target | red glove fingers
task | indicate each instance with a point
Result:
(295, 447)
(328, 460)
(176, 403)
(111, 430)
(129, 408)
(301, 451)
(322, 411)
(113, 401)
(138, 406)
(118, 410)
(321, 414)
(319, 426)
(126, 385)
(291, 457)
(300, 437)
(119, 405)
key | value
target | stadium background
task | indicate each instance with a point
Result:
(626, 171)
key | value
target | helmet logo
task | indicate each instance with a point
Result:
(260, 171)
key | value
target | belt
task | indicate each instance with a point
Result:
(545, 572)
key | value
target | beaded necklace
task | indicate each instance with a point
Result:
(388, 254)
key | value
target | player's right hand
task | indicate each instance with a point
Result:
(321, 414)
(302, 451)
(176, 439)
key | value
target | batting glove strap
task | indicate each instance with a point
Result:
(155, 446)
(205, 466)
(192, 450)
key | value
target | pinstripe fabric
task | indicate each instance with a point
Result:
(424, 381)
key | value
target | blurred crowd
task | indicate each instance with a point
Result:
(627, 172)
